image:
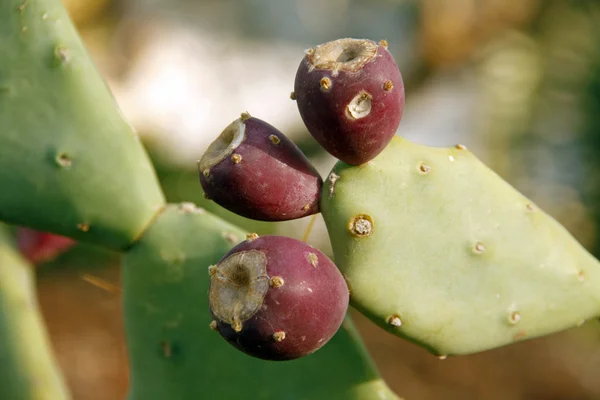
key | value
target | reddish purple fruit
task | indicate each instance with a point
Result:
(40, 247)
(350, 95)
(277, 298)
(255, 171)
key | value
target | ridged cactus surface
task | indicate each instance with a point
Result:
(29, 371)
(69, 163)
(174, 354)
(438, 249)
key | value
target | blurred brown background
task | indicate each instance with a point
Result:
(517, 81)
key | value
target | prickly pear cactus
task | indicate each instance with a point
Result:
(174, 353)
(29, 371)
(438, 249)
(69, 163)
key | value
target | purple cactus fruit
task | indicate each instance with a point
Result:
(350, 95)
(277, 298)
(255, 171)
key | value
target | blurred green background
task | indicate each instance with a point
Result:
(516, 81)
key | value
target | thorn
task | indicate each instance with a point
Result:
(309, 227)
(101, 283)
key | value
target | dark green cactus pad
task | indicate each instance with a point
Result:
(440, 250)
(69, 163)
(174, 354)
(29, 370)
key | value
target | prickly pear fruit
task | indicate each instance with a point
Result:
(174, 355)
(439, 249)
(350, 95)
(277, 298)
(39, 247)
(255, 171)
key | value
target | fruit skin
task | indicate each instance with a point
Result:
(265, 177)
(323, 104)
(456, 259)
(175, 355)
(308, 307)
(39, 247)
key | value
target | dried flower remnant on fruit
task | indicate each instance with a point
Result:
(251, 236)
(213, 325)
(461, 147)
(229, 140)
(342, 55)
(83, 227)
(383, 43)
(293, 95)
(388, 85)
(361, 225)
(238, 287)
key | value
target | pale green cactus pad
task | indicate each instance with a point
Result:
(440, 250)
(175, 355)
(69, 163)
(29, 370)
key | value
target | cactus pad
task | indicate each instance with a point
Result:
(69, 163)
(29, 370)
(173, 352)
(438, 249)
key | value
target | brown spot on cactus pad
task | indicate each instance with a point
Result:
(255, 313)
(350, 95)
(255, 171)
